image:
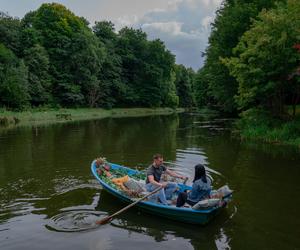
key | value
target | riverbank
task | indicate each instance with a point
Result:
(38, 117)
(259, 126)
(285, 134)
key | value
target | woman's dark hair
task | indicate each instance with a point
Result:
(200, 173)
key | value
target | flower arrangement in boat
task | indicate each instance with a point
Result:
(119, 179)
(102, 163)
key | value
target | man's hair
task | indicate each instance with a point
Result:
(157, 156)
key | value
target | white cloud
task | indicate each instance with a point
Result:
(125, 21)
(184, 26)
(173, 28)
(206, 21)
(186, 46)
(173, 5)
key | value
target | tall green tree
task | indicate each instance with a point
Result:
(158, 76)
(75, 54)
(13, 80)
(232, 20)
(86, 62)
(201, 88)
(130, 46)
(265, 57)
(10, 32)
(53, 57)
(147, 70)
(39, 81)
(184, 86)
(111, 90)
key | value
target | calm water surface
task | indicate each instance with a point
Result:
(45, 179)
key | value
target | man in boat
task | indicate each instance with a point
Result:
(154, 172)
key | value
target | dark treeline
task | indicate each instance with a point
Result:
(252, 61)
(252, 68)
(53, 58)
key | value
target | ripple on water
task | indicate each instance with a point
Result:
(75, 221)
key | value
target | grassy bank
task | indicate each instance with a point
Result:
(47, 116)
(258, 125)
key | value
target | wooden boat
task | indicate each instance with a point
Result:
(183, 214)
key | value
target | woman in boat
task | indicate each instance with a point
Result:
(200, 190)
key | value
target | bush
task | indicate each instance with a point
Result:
(258, 124)
(256, 117)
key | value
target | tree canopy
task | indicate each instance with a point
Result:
(53, 57)
(265, 57)
(232, 20)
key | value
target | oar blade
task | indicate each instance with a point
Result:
(104, 221)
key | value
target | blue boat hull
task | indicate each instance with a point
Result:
(186, 215)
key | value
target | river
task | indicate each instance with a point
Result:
(45, 178)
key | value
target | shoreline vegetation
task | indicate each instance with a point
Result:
(251, 70)
(10, 119)
(255, 130)
(258, 125)
(279, 135)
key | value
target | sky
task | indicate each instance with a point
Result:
(184, 25)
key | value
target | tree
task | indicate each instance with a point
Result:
(39, 82)
(75, 54)
(130, 46)
(86, 62)
(147, 70)
(202, 97)
(13, 80)
(105, 31)
(10, 32)
(53, 57)
(111, 89)
(293, 95)
(183, 82)
(158, 76)
(232, 20)
(265, 57)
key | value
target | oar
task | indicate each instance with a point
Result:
(109, 218)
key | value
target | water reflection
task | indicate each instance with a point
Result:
(45, 174)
